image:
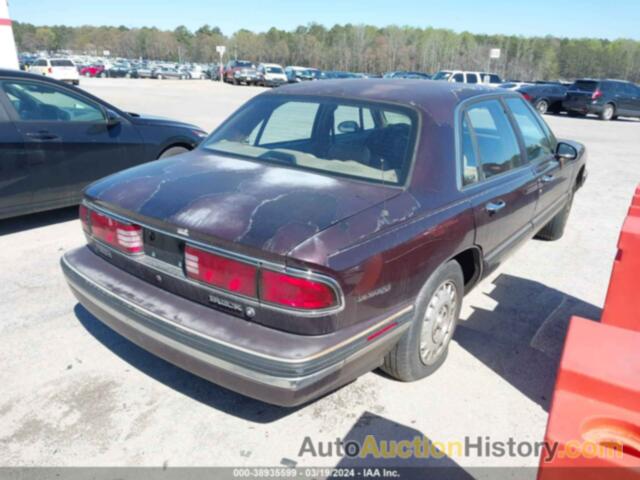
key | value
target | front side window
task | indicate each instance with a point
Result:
(368, 141)
(472, 78)
(498, 147)
(537, 144)
(458, 78)
(40, 102)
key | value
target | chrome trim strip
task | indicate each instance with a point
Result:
(190, 331)
(295, 272)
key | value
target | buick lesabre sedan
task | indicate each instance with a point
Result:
(325, 229)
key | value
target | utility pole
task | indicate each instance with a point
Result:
(8, 53)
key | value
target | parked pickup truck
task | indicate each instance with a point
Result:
(323, 230)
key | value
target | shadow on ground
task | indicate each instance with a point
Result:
(521, 339)
(432, 463)
(37, 220)
(180, 380)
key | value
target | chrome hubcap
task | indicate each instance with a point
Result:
(438, 323)
(542, 107)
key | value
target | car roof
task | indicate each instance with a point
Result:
(423, 94)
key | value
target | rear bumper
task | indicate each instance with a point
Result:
(273, 366)
(582, 107)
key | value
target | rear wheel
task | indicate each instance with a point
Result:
(422, 350)
(608, 112)
(172, 151)
(542, 106)
(87, 74)
(555, 228)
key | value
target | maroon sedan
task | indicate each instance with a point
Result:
(325, 229)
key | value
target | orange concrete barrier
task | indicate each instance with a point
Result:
(622, 305)
(595, 412)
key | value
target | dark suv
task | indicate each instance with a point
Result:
(609, 99)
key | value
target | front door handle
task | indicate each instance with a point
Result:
(42, 135)
(495, 207)
(546, 178)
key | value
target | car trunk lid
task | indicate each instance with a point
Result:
(240, 204)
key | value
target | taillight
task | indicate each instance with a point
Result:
(221, 272)
(526, 96)
(83, 213)
(596, 95)
(123, 236)
(50, 70)
(296, 292)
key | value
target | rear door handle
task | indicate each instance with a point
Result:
(495, 207)
(42, 135)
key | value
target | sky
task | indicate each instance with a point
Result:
(584, 18)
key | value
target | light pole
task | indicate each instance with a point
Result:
(8, 53)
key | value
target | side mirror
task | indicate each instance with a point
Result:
(348, 126)
(112, 118)
(566, 152)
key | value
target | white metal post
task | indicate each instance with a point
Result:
(8, 53)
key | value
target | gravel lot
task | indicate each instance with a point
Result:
(76, 393)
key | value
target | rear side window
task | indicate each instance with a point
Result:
(472, 78)
(537, 144)
(498, 147)
(458, 77)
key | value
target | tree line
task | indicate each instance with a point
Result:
(356, 48)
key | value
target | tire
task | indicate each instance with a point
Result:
(542, 106)
(182, 77)
(160, 77)
(555, 228)
(127, 75)
(608, 112)
(103, 74)
(407, 361)
(172, 151)
(87, 74)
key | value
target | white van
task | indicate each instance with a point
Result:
(461, 76)
(58, 68)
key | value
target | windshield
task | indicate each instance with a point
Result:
(442, 76)
(243, 64)
(274, 70)
(364, 140)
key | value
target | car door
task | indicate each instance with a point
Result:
(630, 98)
(501, 186)
(553, 177)
(67, 140)
(15, 191)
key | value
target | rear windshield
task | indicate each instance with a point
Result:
(62, 63)
(368, 141)
(585, 86)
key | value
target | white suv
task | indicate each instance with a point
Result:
(58, 68)
(271, 75)
(460, 76)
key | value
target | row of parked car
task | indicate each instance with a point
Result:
(66, 69)
(606, 98)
